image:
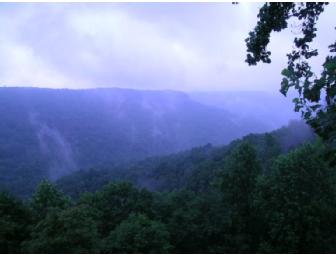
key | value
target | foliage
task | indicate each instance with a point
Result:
(138, 234)
(69, 231)
(316, 94)
(262, 193)
(196, 222)
(14, 221)
(115, 202)
(298, 203)
(238, 184)
(47, 198)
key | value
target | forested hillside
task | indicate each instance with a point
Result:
(49, 133)
(267, 193)
(256, 195)
(193, 169)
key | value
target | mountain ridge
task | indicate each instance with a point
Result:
(49, 133)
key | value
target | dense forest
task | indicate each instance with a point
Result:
(271, 192)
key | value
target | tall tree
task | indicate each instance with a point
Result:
(72, 230)
(297, 203)
(46, 198)
(239, 181)
(316, 93)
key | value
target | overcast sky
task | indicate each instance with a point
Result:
(179, 46)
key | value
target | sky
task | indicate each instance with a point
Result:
(174, 46)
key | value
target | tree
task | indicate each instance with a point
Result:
(115, 202)
(267, 147)
(14, 221)
(316, 95)
(69, 231)
(47, 198)
(138, 234)
(238, 184)
(297, 203)
(195, 221)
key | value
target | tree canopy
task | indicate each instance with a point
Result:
(283, 204)
(316, 92)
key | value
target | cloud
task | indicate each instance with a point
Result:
(182, 46)
(21, 66)
(131, 52)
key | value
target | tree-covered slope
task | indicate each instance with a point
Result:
(285, 205)
(115, 124)
(193, 169)
(48, 133)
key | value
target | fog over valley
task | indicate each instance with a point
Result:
(78, 129)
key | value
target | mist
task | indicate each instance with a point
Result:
(54, 148)
(68, 130)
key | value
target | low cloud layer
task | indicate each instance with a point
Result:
(179, 46)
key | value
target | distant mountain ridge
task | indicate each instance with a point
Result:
(272, 110)
(48, 133)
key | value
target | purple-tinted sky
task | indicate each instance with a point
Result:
(179, 46)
